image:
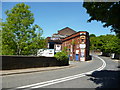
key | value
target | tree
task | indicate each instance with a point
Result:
(93, 43)
(105, 43)
(0, 36)
(106, 12)
(110, 44)
(19, 35)
(92, 35)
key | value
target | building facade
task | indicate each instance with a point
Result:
(55, 42)
(77, 46)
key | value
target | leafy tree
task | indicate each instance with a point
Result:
(93, 43)
(113, 45)
(0, 36)
(106, 12)
(38, 43)
(105, 43)
(19, 35)
(117, 50)
(92, 35)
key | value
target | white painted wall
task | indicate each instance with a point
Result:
(46, 52)
(82, 58)
(58, 47)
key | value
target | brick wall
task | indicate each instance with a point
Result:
(75, 50)
(20, 62)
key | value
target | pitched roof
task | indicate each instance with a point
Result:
(66, 31)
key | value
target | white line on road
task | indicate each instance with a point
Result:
(46, 83)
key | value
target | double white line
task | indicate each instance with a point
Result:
(46, 83)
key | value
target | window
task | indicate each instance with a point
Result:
(82, 40)
(77, 46)
(58, 46)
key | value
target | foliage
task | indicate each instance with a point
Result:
(64, 48)
(105, 43)
(73, 42)
(61, 56)
(0, 36)
(38, 43)
(92, 35)
(93, 43)
(106, 12)
(19, 35)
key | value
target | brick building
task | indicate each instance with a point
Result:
(77, 46)
(55, 42)
(77, 43)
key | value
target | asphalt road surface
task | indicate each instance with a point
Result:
(98, 73)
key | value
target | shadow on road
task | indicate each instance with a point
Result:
(106, 78)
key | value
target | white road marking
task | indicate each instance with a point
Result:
(46, 83)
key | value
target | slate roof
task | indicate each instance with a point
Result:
(66, 31)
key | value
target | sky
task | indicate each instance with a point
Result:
(54, 16)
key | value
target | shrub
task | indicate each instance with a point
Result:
(62, 57)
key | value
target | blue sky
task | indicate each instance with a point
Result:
(54, 16)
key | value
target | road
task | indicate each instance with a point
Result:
(83, 75)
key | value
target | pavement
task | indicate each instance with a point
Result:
(31, 70)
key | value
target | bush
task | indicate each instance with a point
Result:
(62, 57)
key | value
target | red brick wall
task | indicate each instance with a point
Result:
(67, 42)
